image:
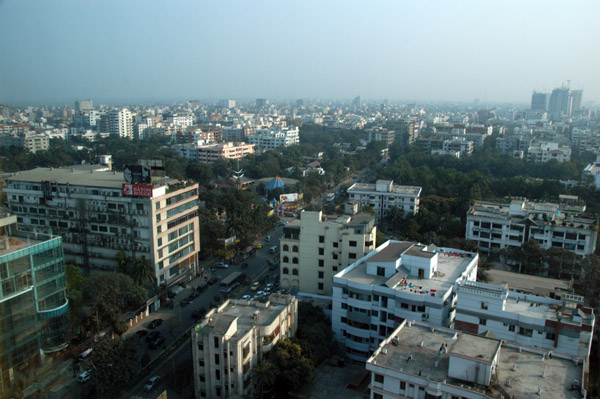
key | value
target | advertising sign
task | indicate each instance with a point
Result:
(288, 197)
(137, 190)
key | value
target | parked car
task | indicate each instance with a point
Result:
(197, 314)
(185, 302)
(141, 333)
(222, 265)
(157, 342)
(246, 298)
(274, 249)
(194, 294)
(255, 286)
(155, 323)
(84, 377)
(201, 288)
(151, 383)
(213, 280)
(152, 336)
(244, 265)
(259, 246)
(274, 266)
(268, 238)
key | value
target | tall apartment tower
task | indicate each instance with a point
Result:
(539, 101)
(576, 100)
(560, 103)
(120, 123)
(314, 249)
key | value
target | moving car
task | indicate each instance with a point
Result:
(273, 249)
(213, 280)
(141, 333)
(222, 265)
(268, 238)
(155, 323)
(255, 286)
(197, 314)
(259, 246)
(151, 383)
(185, 302)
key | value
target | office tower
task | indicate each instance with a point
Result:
(84, 105)
(576, 100)
(356, 101)
(262, 102)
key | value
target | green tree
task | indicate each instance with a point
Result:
(143, 271)
(294, 369)
(263, 376)
(114, 365)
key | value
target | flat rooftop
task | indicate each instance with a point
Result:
(523, 282)
(17, 241)
(422, 342)
(77, 175)
(450, 267)
(244, 311)
(396, 189)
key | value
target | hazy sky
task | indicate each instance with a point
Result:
(56, 51)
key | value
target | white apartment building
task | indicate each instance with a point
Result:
(212, 152)
(592, 171)
(495, 225)
(546, 151)
(179, 118)
(315, 248)
(266, 139)
(464, 147)
(384, 194)
(120, 123)
(397, 281)
(561, 323)
(233, 338)
(421, 361)
(98, 214)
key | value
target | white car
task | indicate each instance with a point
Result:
(260, 293)
(222, 265)
(84, 377)
(151, 383)
(246, 298)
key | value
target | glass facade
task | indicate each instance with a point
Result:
(34, 317)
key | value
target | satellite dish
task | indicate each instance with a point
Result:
(127, 174)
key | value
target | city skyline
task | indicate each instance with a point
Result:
(497, 52)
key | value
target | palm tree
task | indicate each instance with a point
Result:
(263, 376)
(143, 271)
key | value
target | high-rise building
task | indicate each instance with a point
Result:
(121, 123)
(233, 338)
(99, 212)
(576, 100)
(560, 104)
(356, 101)
(84, 105)
(34, 310)
(315, 248)
(262, 102)
(539, 101)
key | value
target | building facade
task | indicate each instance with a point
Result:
(98, 214)
(495, 225)
(314, 249)
(233, 338)
(213, 152)
(266, 139)
(34, 309)
(384, 194)
(422, 361)
(546, 151)
(397, 281)
(561, 323)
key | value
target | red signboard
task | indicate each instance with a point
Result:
(137, 190)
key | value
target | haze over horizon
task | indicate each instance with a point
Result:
(110, 50)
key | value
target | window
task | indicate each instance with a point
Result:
(294, 272)
(511, 327)
(377, 395)
(482, 322)
(216, 358)
(321, 275)
(321, 262)
(551, 336)
(321, 285)
(216, 342)
(484, 305)
(286, 259)
(380, 271)
(321, 251)
(335, 244)
(295, 260)
(402, 385)
(352, 243)
(286, 247)
(378, 378)
(527, 332)
(295, 248)
(285, 270)
(351, 255)
(321, 239)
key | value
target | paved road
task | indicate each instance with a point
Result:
(179, 320)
